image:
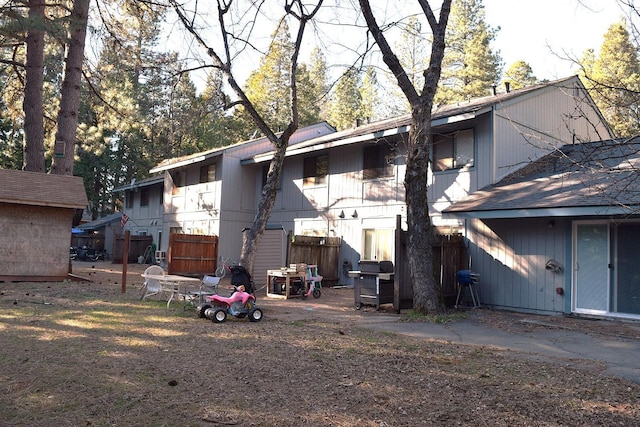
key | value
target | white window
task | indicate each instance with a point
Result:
(378, 245)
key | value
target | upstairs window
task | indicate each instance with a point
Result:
(378, 161)
(315, 170)
(453, 150)
(144, 196)
(207, 173)
(128, 199)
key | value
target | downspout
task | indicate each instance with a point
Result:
(494, 148)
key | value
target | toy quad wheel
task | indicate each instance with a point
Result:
(217, 315)
(255, 315)
(316, 293)
(358, 305)
(201, 310)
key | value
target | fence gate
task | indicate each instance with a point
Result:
(321, 251)
(192, 254)
(449, 256)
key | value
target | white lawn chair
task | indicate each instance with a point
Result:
(151, 286)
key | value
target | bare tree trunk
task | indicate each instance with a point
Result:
(70, 97)
(295, 9)
(427, 296)
(32, 104)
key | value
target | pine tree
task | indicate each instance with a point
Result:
(268, 86)
(613, 79)
(519, 75)
(346, 101)
(470, 68)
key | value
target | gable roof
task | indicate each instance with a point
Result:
(147, 182)
(443, 115)
(593, 178)
(302, 134)
(41, 189)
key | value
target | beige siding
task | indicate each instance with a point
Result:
(32, 230)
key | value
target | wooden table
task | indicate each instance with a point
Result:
(172, 284)
(287, 274)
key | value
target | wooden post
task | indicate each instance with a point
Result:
(125, 259)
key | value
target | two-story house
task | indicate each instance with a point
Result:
(350, 183)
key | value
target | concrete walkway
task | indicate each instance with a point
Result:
(620, 355)
(615, 345)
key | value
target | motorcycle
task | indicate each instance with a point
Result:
(240, 304)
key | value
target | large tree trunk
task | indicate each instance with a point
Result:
(70, 97)
(252, 236)
(426, 289)
(427, 295)
(32, 104)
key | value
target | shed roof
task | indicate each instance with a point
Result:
(593, 178)
(41, 189)
(100, 222)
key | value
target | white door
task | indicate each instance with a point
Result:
(591, 268)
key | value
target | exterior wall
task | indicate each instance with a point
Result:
(447, 187)
(316, 210)
(510, 256)
(30, 230)
(530, 128)
(143, 220)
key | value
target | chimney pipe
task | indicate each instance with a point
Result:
(507, 86)
(493, 89)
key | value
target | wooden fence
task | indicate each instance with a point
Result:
(192, 255)
(321, 251)
(449, 256)
(137, 247)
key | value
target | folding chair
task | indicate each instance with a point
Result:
(208, 287)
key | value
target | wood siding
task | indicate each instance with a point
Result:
(35, 241)
(192, 255)
(510, 256)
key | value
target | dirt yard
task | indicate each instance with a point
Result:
(86, 354)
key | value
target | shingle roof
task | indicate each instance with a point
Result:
(594, 174)
(40, 189)
(100, 222)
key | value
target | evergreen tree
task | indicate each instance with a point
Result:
(519, 75)
(369, 98)
(470, 67)
(613, 80)
(268, 86)
(346, 101)
(413, 53)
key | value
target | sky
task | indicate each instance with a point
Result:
(542, 33)
(531, 29)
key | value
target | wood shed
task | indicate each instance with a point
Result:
(36, 216)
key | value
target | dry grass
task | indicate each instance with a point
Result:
(92, 356)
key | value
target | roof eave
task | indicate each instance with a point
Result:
(541, 212)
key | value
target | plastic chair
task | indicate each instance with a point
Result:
(151, 286)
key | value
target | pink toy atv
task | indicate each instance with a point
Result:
(240, 304)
